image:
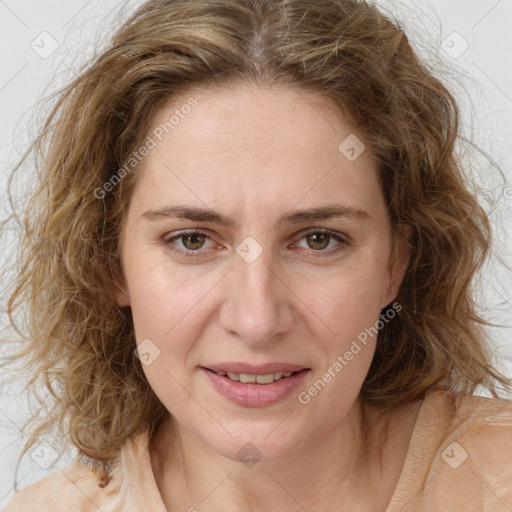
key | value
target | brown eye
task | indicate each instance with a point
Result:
(193, 241)
(322, 241)
(189, 243)
(318, 241)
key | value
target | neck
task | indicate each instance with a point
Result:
(342, 469)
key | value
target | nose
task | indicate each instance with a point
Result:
(258, 305)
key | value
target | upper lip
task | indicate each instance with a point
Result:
(254, 369)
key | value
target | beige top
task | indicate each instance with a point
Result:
(459, 459)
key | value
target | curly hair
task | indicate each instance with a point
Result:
(80, 344)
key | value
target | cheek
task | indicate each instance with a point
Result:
(347, 301)
(171, 311)
(169, 307)
(169, 314)
(350, 308)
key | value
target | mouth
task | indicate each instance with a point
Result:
(248, 378)
(255, 386)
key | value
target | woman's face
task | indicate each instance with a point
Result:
(257, 242)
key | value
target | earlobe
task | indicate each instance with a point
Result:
(121, 297)
(398, 264)
(120, 294)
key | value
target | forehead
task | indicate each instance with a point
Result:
(254, 146)
(276, 117)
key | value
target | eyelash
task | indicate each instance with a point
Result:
(188, 253)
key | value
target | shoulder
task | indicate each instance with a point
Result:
(472, 463)
(79, 488)
(475, 420)
(75, 487)
(479, 410)
(454, 414)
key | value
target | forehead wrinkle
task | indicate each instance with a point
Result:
(331, 211)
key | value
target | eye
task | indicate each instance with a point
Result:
(190, 241)
(318, 240)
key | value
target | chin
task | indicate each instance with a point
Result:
(260, 445)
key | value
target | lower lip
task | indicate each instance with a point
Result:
(255, 395)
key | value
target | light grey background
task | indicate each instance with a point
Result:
(44, 43)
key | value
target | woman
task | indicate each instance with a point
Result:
(263, 198)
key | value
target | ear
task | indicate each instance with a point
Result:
(397, 265)
(119, 289)
(120, 294)
(115, 285)
(121, 297)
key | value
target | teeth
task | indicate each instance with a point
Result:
(246, 378)
(265, 379)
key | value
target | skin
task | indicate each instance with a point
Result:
(255, 154)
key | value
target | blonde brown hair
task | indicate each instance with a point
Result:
(81, 345)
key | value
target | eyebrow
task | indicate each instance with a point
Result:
(331, 211)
